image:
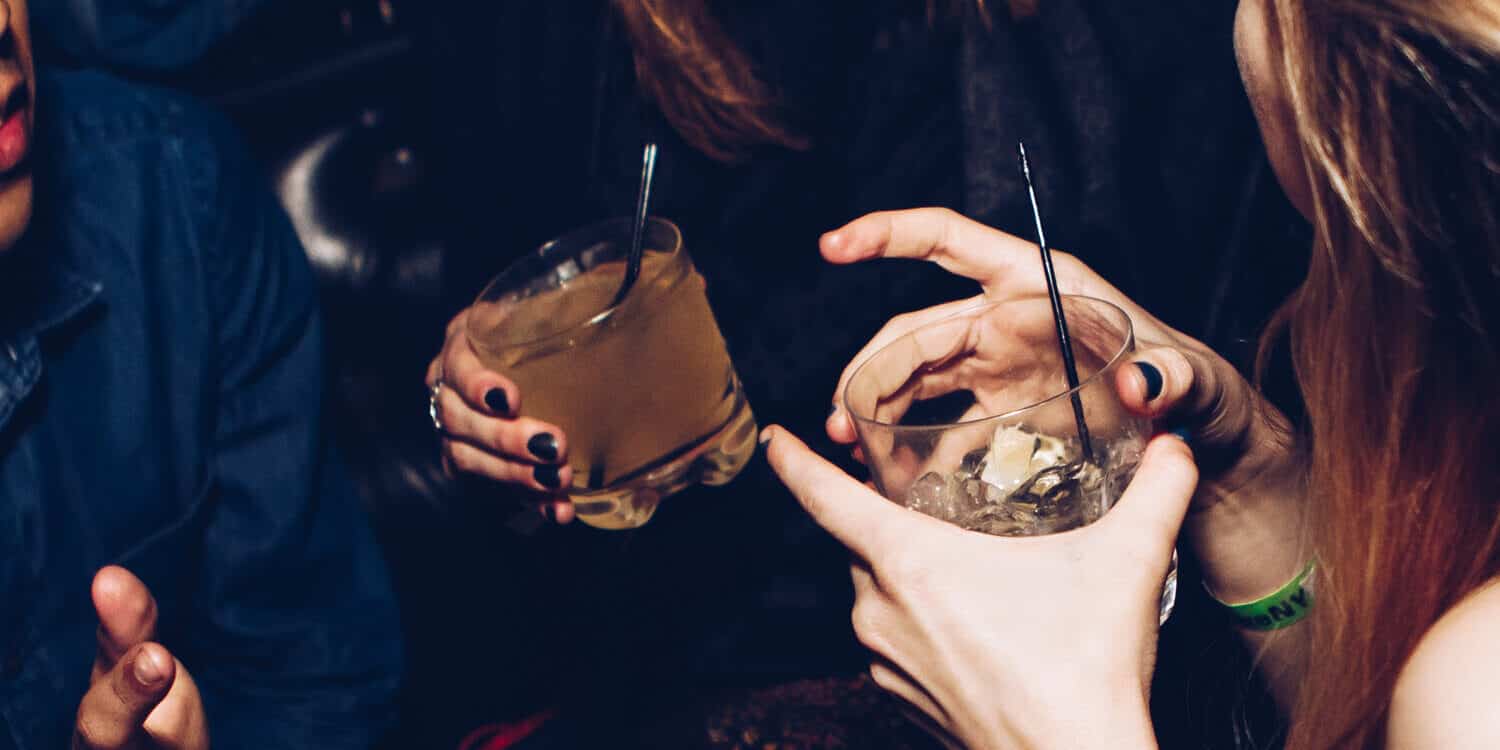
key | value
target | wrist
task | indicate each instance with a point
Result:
(1251, 542)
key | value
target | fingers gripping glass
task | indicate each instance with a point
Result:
(643, 388)
(970, 419)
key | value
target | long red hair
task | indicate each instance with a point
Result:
(1395, 332)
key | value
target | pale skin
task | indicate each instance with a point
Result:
(140, 697)
(950, 637)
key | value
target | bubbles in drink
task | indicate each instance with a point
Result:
(1027, 484)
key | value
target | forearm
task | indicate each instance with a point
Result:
(1250, 543)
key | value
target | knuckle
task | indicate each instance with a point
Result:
(501, 436)
(948, 223)
(448, 365)
(1177, 366)
(904, 571)
(457, 454)
(899, 323)
(947, 217)
(456, 323)
(863, 620)
(469, 460)
(88, 732)
(868, 632)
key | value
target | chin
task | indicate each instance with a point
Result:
(15, 210)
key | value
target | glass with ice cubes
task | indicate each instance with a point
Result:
(970, 419)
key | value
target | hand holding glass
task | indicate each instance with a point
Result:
(644, 390)
(970, 419)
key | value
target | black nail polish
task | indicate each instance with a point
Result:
(497, 401)
(546, 476)
(1153, 379)
(833, 410)
(543, 445)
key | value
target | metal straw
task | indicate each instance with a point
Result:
(638, 232)
(1064, 342)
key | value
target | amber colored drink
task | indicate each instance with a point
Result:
(644, 391)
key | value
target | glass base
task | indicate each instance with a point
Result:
(1168, 593)
(714, 460)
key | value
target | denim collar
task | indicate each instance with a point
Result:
(45, 292)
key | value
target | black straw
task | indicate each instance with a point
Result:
(638, 232)
(1064, 342)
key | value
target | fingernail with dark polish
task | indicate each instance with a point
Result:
(1153, 379)
(543, 445)
(765, 436)
(497, 401)
(1183, 434)
(546, 476)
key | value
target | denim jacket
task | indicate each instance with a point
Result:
(160, 382)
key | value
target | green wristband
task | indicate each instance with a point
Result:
(1287, 606)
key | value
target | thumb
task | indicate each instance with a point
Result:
(1155, 503)
(853, 513)
(112, 712)
(1187, 389)
(127, 613)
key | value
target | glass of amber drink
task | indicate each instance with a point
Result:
(644, 390)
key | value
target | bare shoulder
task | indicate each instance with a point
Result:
(1448, 692)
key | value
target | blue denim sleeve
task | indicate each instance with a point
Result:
(134, 34)
(295, 641)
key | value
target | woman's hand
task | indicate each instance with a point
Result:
(1246, 524)
(482, 433)
(1237, 436)
(1008, 642)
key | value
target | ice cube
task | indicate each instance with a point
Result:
(1043, 481)
(1010, 457)
(1004, 519)
(993, 494)
(1049, 451)
(927, 492)
(975, 495)
(973, 463)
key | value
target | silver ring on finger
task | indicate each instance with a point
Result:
(433, 393)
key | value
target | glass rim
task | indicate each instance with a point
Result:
(573, 235)
(1129, 338)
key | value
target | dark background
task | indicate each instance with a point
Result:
(380, 126)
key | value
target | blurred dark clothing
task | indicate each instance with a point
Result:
(136, 35)
(1149, 168)
(160, 402)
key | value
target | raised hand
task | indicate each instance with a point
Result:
(140, 697)
(1238, 438)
